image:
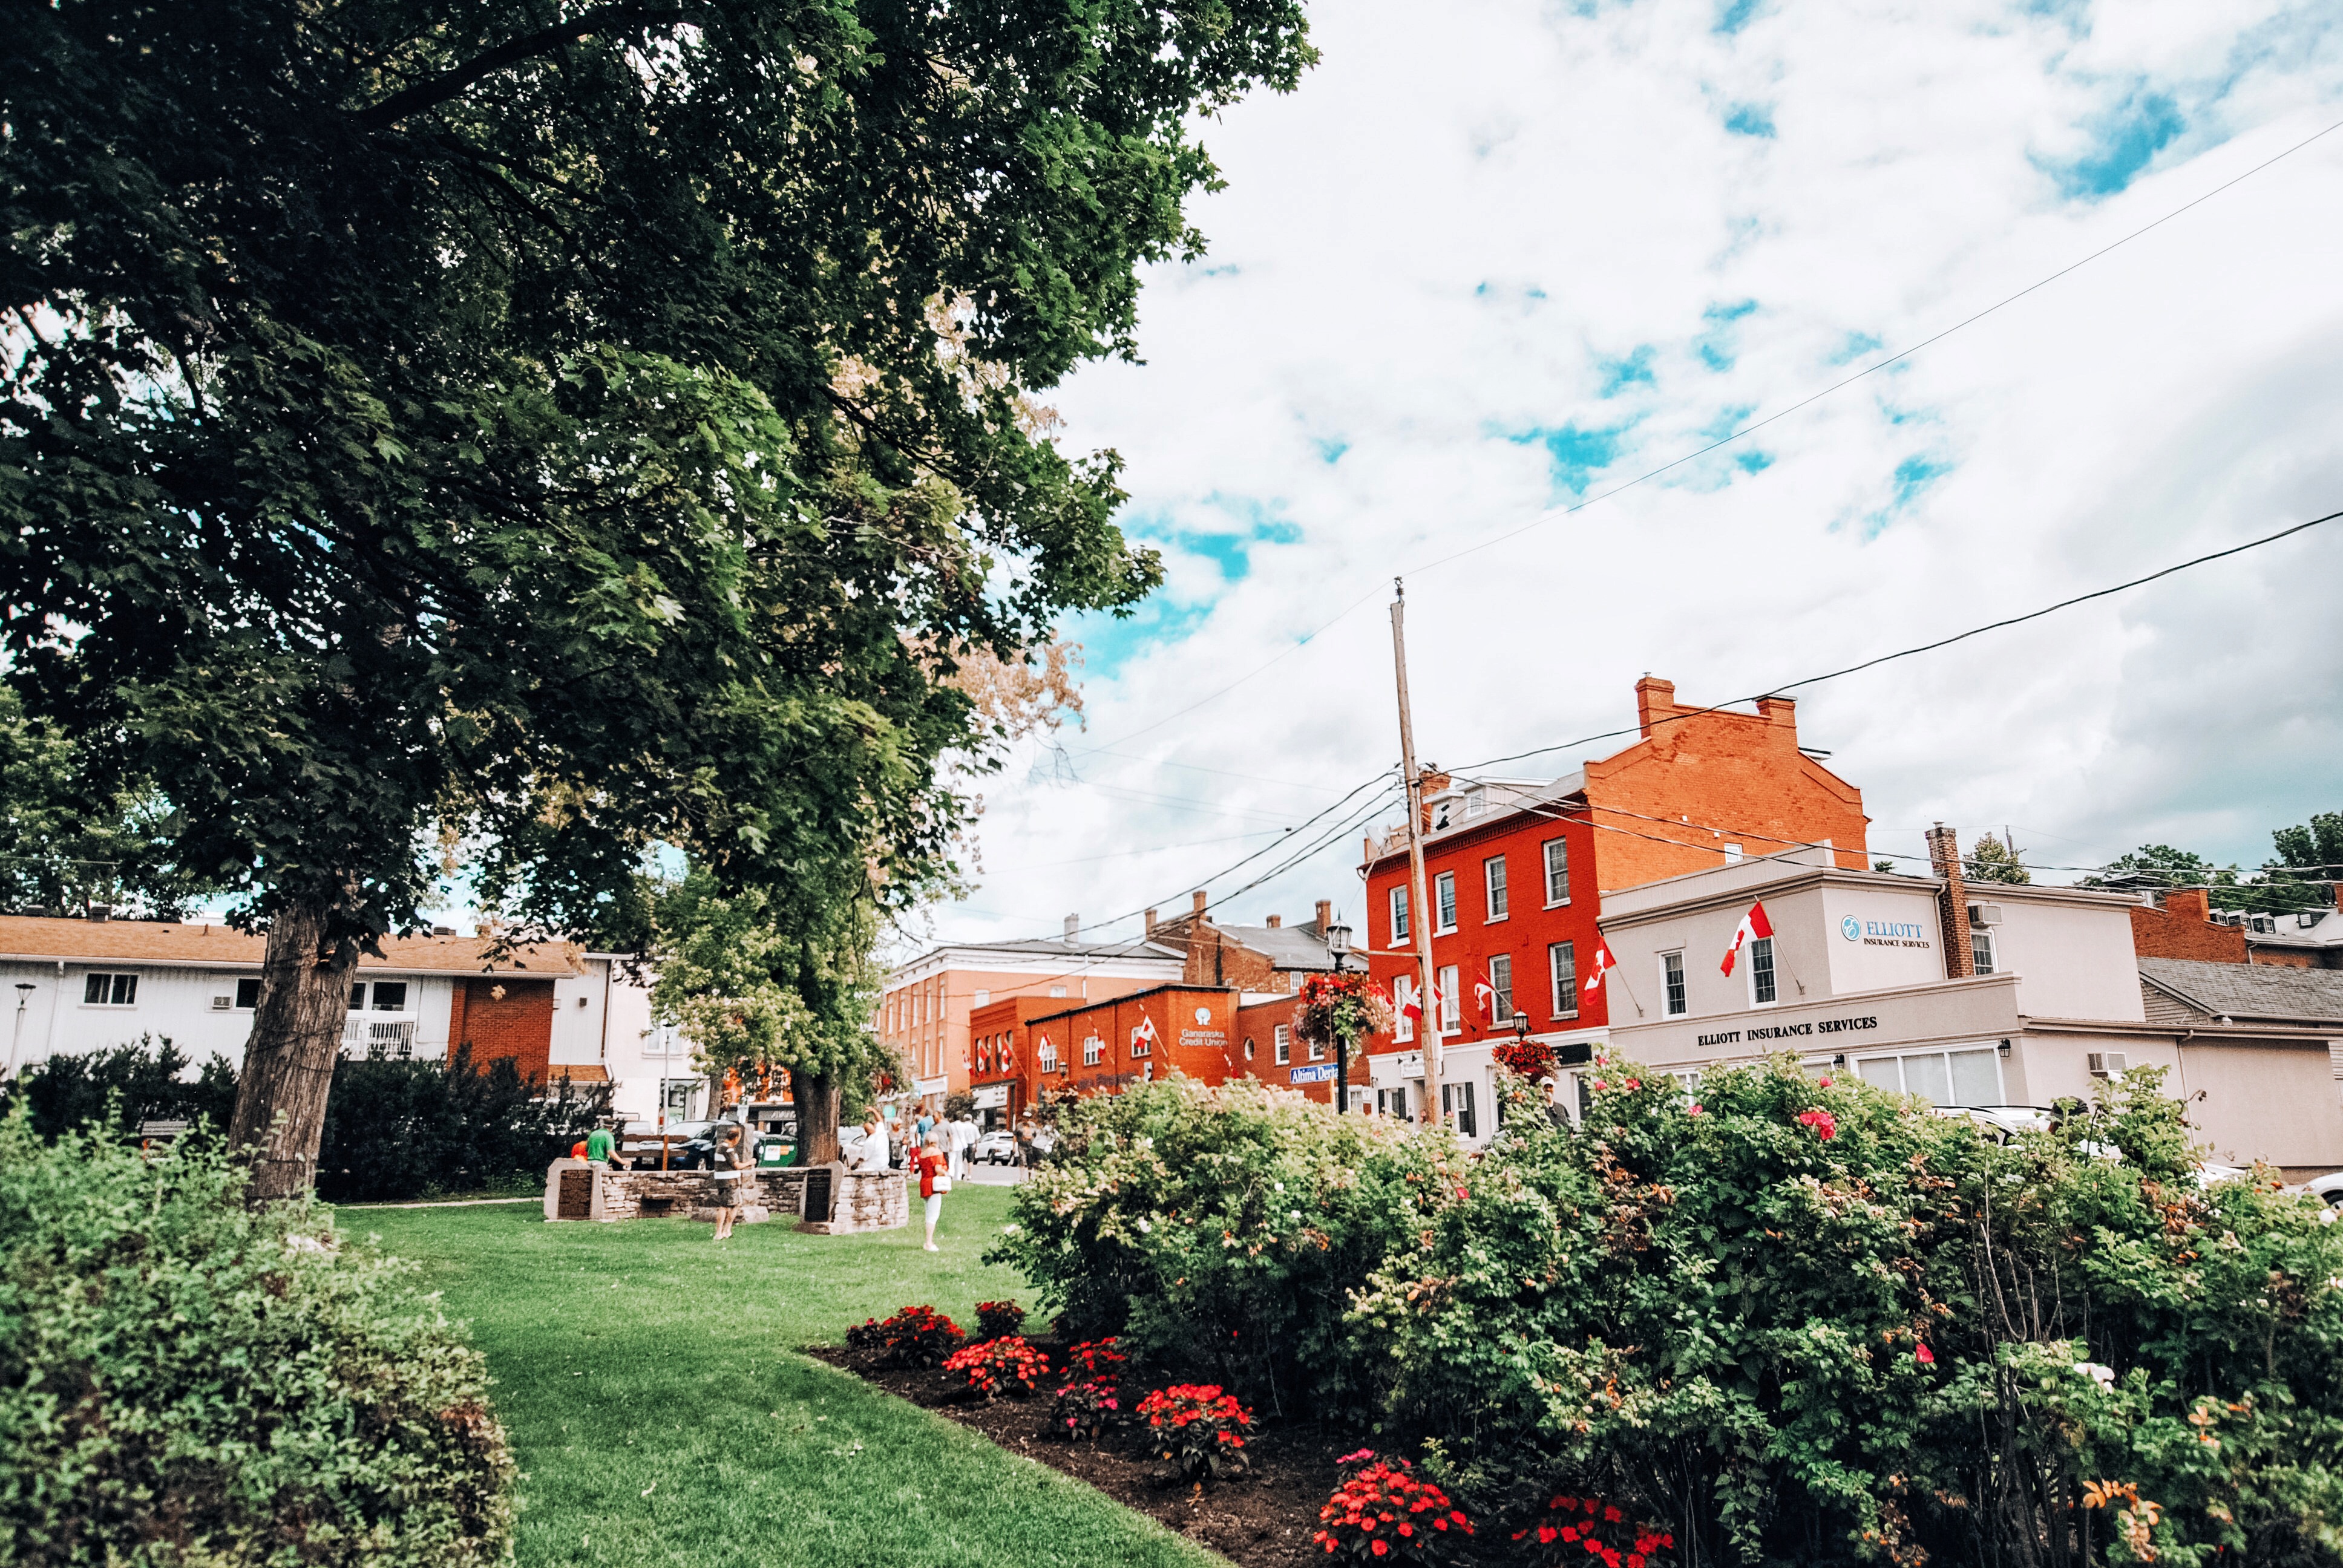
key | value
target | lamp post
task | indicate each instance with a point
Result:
(25, 990)
(1338, 947)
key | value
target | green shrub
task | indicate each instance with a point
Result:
(1814, 1322)
(185, 1382)
(1220, 1232)
(400, 1130)
(122, 1087)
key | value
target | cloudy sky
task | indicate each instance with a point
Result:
(1494, 260)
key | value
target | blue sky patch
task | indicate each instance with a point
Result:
(1858, 346)
(1109, 644)
(1750, 462)
(2123, 142)
(1618, 375)
(1750, 120)
(1577, 455)
(1330, 450)
(1716, 345)
(1735, 15)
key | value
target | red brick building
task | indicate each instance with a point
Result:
(1515, 872)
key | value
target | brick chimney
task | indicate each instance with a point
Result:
(1656, 702)
(1275, 922)
(1782, 713)
(1325, 915)
(1151, 922)
(1945, 860)
(1073, 927)
(1196, 904)
(1435, 781)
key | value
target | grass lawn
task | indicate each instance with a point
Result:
(662, 1414)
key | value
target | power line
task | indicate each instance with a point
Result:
(1683, 714)
(1807, 401)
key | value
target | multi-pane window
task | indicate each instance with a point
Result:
(1672, 983)
(247, 992)
(1402, 995)
(1317, 1051)
(1456, 1105)
(109, 990)
(390, 996)
(1451, 1005)
(1399, 915)
(1093, 1051)
(1444, 893)
(1981, 950)
(1493, 878)
(1561, 966)
(1500, 980)
(1940, 1077)
(1761, 973)
(1284, 1044)
(1557, 872)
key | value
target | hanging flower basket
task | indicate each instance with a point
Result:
(1342, 1010)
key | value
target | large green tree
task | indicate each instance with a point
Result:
(565, 428)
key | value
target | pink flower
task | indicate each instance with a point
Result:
(1696, 1109)
(1634, 1083)
(1598, 1083)
(1824, 1124)
(1823, 1083)
(1927, 1357)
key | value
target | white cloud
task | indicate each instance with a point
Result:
(1432, 262)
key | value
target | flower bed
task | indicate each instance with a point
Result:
(915, 1336)
(1006, 1365)
(998, 1320)
(1383, 1513)
(1578, 1528)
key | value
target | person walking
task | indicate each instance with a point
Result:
(728, 1165)
(935, 1180)
(1025, 1144)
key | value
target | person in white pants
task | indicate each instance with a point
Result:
(956, 1146)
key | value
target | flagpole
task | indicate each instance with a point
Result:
(1420, 920)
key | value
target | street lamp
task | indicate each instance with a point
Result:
(25, 990)
(1338, 947)
(1521, 1026)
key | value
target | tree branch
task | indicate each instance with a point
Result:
(529, 46)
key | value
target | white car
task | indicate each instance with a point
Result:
(2327, 1189)
(995, 1148)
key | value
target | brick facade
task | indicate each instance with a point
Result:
(2183, 929)
(503, 1016)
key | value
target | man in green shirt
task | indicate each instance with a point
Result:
(599, 1145)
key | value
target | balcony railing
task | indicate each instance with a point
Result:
(374, 1036)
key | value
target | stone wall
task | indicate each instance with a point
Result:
(863, 1200)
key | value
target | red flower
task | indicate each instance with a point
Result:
(1824, 1124)
(1927, 1357)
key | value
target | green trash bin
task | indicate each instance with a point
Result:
(775, 1152)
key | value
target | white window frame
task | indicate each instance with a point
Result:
(1683, 989)
(1565, 989)
(1549, 848)
(1992, 951)
(406, 993)
(1773, 972)
(2000, 1075)
(1093, 1051)
(1403, 993)
(1451, 1005)
(1249, 1048)
(116, 981)
(1444, 903)
(1399, 929)
(1456, 1106)
(1283, 1040)
(1500, 1010)
(1317, 1051)
(1495, 901)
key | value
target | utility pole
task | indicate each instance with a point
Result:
(1420, 911)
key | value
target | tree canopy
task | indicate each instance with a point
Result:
(562, 429)
(2300, 876)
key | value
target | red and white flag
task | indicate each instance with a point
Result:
(1145, 1032)
(1413, 1007)
(1602, 961)
(1485, 994)
(1753, 925)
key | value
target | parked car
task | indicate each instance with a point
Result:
(640, 1145)
(995, 1148)
(2327, 1189)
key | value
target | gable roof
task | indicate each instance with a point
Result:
(171, 944)
(1302, 947)
(2259, 992)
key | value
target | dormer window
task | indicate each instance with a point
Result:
(1475, 803)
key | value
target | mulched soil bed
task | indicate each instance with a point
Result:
(1260, 1520)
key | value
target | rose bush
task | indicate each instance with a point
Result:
(1198, 1427)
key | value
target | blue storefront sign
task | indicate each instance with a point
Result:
(1322, 1073)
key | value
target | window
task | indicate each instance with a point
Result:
(1045, 1054)
(390, 996)
(983, 998)
(1402, 995)
(1557, 872)
(1451, 1005)
(1940, 1077)
(1443, 898)
(1093, 1051)
(1493, 878)
(1561, 966)
(110, 990)
(1475, 803)
(1285, 1040)
(1248, 1049)
(1672, 983)
(1057, 991)
(1392, 1102)
(247, 992)
(1456, 1105)
(1399, 915)
(1317, 1051)
(1762, 992)
(1733, 854)
(357, 998)
(1500, 980)
(1981, 950)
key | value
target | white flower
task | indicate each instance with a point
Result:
(1144, 1227)
(1008, 1230)
(2105, 1376)
(1279, 1185)
(1297, 1216)
(306, 1244)
(2326, 1216)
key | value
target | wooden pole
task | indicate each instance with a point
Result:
(1419, 915)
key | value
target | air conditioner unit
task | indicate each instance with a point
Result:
(2105, 1063)
(223, 1003)
(2306, 919)
(1984, 914)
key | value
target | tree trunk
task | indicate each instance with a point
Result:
(288, 1064)
(817, 1103)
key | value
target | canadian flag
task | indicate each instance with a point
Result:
(1145, 1032)
(1412, 1005)
(1603, 961)
(1485, 994)
(1008, 1057)
(1752, 926)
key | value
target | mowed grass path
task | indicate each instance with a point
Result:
(662, 1414)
